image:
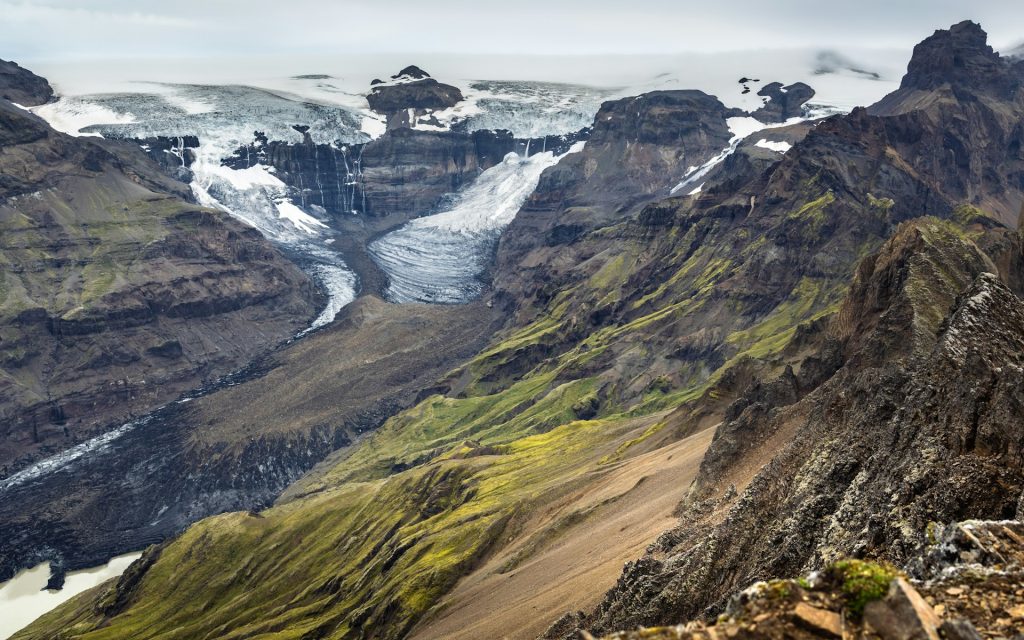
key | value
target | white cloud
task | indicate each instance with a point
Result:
(72, 28)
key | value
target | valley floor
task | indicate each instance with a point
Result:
(625, 508)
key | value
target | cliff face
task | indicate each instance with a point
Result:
(116, 293)
(404, 173)
(23, 87)
(919, 425)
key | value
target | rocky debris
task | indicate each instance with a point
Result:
(410, 95)
(902, 615)
(23, 87)
(783, 103)
(973, 594)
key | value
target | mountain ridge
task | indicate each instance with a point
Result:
(765, 307)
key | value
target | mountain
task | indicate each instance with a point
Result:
(805, 354)
(117, 292)
(23, 87)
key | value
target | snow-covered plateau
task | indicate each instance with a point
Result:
(438, 258)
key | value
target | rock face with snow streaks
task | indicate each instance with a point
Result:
(116, 292)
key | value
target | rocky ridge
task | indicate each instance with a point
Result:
(117, 293)
(970, 590)
(23, 87)
(656, 320)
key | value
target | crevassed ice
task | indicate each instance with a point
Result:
(224, 119)
(441, 258)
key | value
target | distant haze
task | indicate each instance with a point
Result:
(63, 30)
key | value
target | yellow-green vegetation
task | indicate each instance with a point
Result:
(63, 257)
(936, 272)
(362, 555)
(809, 300)
(882, 206)
(813, 213)
(862, 582)
(375, 540)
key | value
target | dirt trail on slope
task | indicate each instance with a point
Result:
(626, 509)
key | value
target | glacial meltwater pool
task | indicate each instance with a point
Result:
(23, 598)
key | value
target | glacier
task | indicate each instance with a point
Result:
(441, 258)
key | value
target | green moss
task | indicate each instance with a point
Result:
(814, 211)
(862, 582)
(881, 206)
(809, 300)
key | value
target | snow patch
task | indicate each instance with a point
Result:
(302, 220)
(741, 127)
(779, 146)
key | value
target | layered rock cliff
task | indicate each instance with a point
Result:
(116, 292)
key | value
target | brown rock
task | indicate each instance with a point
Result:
(820, 620)
(902, 615)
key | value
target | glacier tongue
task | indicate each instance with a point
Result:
(441, 258)
(224, 119)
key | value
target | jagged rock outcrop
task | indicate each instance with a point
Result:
(894, 440)
(974, 590)
(410, 97)
(116, 292)
(23, 87)
(783, 103)
(961, 57)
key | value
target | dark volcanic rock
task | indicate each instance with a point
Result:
(411, 94)
(783, 102)
(961, 56)
(175, 155)
(404, 172)
(22, 86)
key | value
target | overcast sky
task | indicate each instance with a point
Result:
(75, 29)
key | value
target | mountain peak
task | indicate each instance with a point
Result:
(958, 55)
(22, 86)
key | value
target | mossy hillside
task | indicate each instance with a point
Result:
(416, 506)
(364, 555)
(62, 251)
